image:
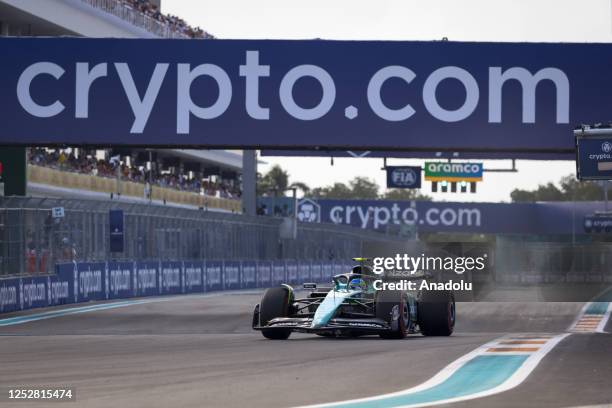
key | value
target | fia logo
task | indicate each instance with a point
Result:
(308, 211)
(404, 177)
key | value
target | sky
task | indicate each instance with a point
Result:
(459, 20)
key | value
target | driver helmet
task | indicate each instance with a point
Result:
(362, 270)
(357, 283)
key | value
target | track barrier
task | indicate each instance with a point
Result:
(77, 282)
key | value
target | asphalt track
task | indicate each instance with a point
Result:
(199, 351)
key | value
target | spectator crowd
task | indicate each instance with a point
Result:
(114, 167)
(174, 23)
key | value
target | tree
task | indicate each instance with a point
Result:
(363, 188)
(274, 181)
(405, 194)
(570, 189)
(303, 187)
(581, 190)
(337, 191)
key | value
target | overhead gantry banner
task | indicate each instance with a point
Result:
(362, 95)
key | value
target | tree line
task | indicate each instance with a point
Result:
(276, 182)
(568, 189)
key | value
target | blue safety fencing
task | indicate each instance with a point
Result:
(90, 281)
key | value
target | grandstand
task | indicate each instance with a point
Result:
(188, 178)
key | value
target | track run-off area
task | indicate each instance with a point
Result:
(199, 351)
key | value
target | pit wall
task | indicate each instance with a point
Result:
(90, 281)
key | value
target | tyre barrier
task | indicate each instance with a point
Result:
(78, 282)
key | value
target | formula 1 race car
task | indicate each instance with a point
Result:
(354, 307)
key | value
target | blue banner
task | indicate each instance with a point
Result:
(9, 295)
(594, 158)
(214, 275)
(194, 276)
(304, 268)
(431, 96)
(264, 274)
(327, 271)
(248, 274)
(33, 292)
(429, 216)
(115, 218)
(292, 272)
(90, 279)
(403, 176)
(418, 154)
(171, 279)
(61, 286)
(339, 268)
(231, 274)
(119, 280)
(279, 272)
(316, 272)
(147, 278)
(598, 224)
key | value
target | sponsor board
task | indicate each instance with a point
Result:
(231, 274)
(292, 272)
(119, 277)
(9, 295)
(194, 277)
(214, 275)
(279, 272)
(316, 272)
(428, 216)
(33, 292)
(305, 271)
(171, 279)
(300, 94)
(327, 271)
(147, 278)
(594, 158)
(248, 274)
(403, 176)
(264, 274)
(61, 286)
(453, 171)
(89, 281)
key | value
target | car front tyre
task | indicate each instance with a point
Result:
(275, 303)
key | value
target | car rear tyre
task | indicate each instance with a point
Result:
(392, 307)
(275, 303)
(436, 313)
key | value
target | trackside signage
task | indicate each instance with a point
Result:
(445, 171)
(427, 216)
(427, 96)
(86, 281)
(403, 177)
(594, 158)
